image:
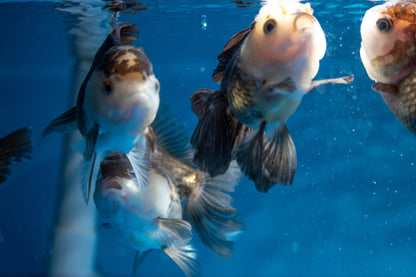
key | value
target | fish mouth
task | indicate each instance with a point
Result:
(123, 116)
(113, 185)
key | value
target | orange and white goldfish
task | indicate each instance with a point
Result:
(14, 148)
(264, 71)
(117, 100)
(388, 53)
(176, 198)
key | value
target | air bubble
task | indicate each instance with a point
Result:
(204, 22)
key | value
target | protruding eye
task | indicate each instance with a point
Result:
(269, 26)
(107, 88)
(157, 86)
(385, 24)
(304, 21)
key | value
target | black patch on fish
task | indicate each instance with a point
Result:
(14, 148)
(229, 51)
(116, 164)
(117, 61)
(66, 122)
(268, 161)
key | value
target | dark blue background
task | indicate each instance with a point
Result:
(350, 212)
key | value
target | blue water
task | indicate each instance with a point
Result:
(351, 210)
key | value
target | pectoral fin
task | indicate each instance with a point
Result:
(139, 159)
(90, 141)
(385, 88)
(66, 122)
(138, 260)
(13, 148)
(341, 80)
(185, 257)
(211, 213)
(88, 176)
(400, 100)
(287, 85)
(176, 232)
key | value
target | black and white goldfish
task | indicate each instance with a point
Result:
(388, 53)
(264, 71)
(117, 100)
(176, 197)
(14, 148)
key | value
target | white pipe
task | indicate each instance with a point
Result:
(74, 233)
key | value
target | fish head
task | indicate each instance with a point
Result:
(122, 94)
(116, 189)
(284, 30)
(286, 40)
(388, 41)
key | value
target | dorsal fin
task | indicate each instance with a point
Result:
(172, 136)
(122, 34)
(228, 52)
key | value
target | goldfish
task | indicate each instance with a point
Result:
(117, 100)
(14, 148)
(177, 198)
(264, 72)
(388, 53)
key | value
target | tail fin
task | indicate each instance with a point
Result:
(268, 161)
(211, 213)
(185, 257)
(13, 148)
(212, 138)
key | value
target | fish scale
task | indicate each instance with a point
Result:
(242, 100)
(403, 104)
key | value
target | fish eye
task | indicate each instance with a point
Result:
(385, 24)
(107, 88)
(269, 26)
(157, 86)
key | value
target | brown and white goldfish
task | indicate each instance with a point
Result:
(388, 53)
(117, 100)
(264, 71)
(14, 148)
(176, 198)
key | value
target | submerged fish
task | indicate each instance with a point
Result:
(176, 198)
(14, 148)
(388, 53)
(117, 100)
(264, 71)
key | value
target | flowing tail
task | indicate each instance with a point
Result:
(14, 148)
(268, 160)
(215, 134)
(211, 214)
